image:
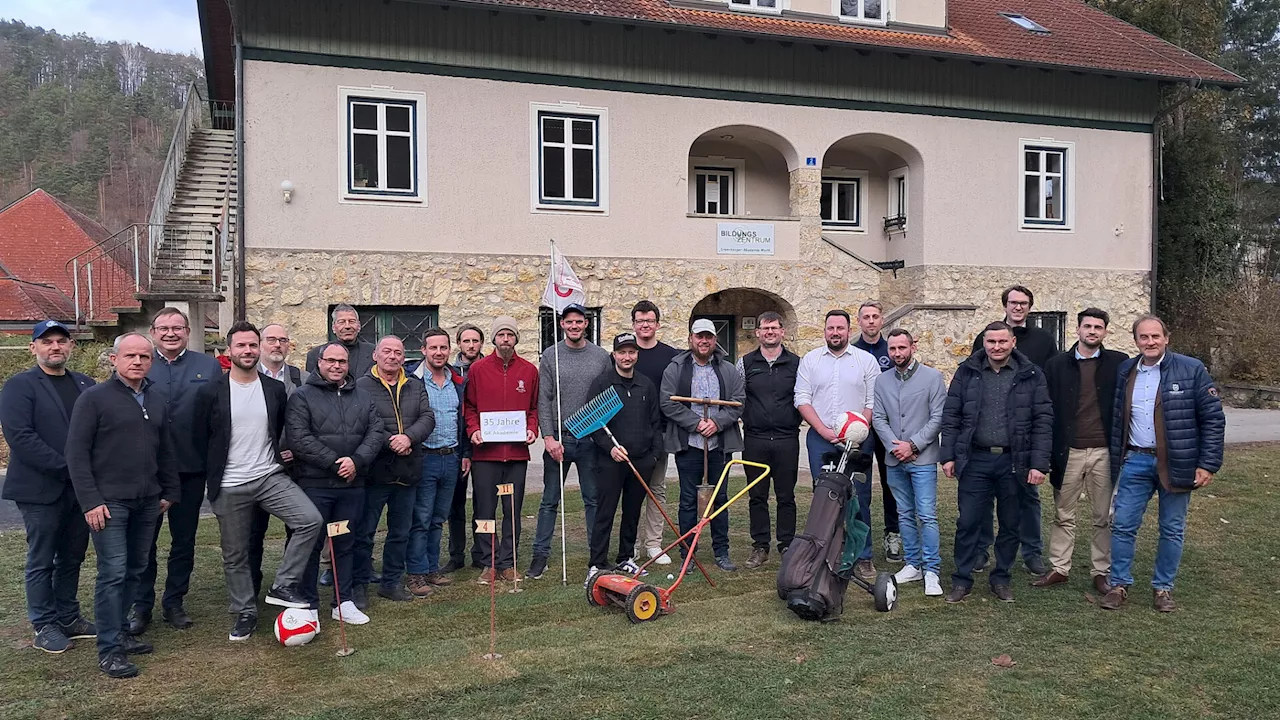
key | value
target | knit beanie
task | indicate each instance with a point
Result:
(504, 322)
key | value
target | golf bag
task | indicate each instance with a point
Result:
(809, 578)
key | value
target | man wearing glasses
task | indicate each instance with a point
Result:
(275, 353)
(655, 356)
(175, 377)
(1038, 346)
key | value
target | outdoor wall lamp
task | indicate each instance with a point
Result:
(286, 187)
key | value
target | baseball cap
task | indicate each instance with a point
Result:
(44, 327)
(702, 325)
(622, 340)
(573, 307)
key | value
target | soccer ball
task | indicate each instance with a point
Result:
(852, 428)
(296, 627)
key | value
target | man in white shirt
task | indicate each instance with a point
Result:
(831, 381)
(239, 422)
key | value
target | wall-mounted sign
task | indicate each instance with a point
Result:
(744, 238)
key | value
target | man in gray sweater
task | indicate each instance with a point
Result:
(907, 416)
(580, 361)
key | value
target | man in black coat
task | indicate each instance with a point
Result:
(335, 434)
(1038, 346)
(121, 459)
(239, 424)
(637, 428)
(1082, 385)
(346, 328)
(35, 409)
(401, 402)
(997, 434)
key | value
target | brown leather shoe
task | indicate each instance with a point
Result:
(1114, 598)
(1003, 593)
(865, 570)
(1049, 579)
(1101, 585)
(486, 576)
(1162, 601)
(439, 579)
(758, 557)
(509, 574)
(418, 585)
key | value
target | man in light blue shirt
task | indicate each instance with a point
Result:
(1142, 418)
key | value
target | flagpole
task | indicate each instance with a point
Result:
(555, 308)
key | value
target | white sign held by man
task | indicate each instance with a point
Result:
(504, 426)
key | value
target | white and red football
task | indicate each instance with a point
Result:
(852, 427)
(296, 627)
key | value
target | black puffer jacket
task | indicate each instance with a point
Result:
(325, 422)
(408, 413)
(1030, 415)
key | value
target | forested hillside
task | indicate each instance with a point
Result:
(88, 121)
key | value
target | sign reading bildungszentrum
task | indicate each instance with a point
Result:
(744, 238)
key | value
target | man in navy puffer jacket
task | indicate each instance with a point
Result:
(1166, 439)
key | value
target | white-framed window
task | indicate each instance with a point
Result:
(570, 157)
(768, 6)
(384, 139)
(843, 205)
(1046, 191)
(895, 220)
(716, 185)
(872, 12)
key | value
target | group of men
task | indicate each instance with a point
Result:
(356, 434)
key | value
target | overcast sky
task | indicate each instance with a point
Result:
(159, 24)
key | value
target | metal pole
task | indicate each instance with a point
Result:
(75, 283)
(555, 349)
(137, 284)
(89, 280)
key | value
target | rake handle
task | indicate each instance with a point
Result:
(705, 401)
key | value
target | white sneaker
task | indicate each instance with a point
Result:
(908, 573)
(591, 572)
(350, 614)
(662, 558)
(630, 567)
(931, 585)
(315, 618)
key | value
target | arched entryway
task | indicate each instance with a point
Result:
(729, 308)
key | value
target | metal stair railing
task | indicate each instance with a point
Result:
(110, 273)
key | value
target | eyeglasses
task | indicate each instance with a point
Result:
(275, 340)
(644, 322)
(164, 330)
(1019, 303)
(333, 361)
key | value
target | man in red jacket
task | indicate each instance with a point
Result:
(501, 395)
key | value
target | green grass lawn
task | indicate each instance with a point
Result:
(729, 652)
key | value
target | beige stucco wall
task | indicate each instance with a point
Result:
(931, 13)
(965, 186)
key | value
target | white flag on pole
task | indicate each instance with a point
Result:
(563, 286)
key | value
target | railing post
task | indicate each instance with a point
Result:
(89, 279)
(137, 271)
(75, 284)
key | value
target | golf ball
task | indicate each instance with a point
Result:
(670, 576)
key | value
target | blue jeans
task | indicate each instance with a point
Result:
(576, 452)
(689, 466)
(123, 547)
(816, 446)
(398, 500)
(1138, 482)
(431, 507)
(56, 540)
(915, 487)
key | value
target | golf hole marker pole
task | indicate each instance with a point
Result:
(486, 527)
(508, 490)
(333, 530)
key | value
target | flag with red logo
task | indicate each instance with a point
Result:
(563, 286)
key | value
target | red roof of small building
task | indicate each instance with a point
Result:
(24, 301)
(1080, 37)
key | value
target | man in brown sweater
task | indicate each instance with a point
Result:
(1082, 383)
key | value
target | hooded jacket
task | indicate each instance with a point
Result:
(1030, 420)
(638, 425)
(677, 379)
(404, 409)
(1189, 421)
(325, 422)
(1062, 373)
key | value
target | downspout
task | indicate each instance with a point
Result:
(240, 309)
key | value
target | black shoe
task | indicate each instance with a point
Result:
(138, 622)
(326, 578)
(1003, 593)
(452, 566)
(177, 617)
(360, 596)
(537, 567)
(394, 593)
(135, 646)
(982, 563)
(117, 665)
(958, 594)
(51, 639)
(477, 565)
(724, 563)
(79, 629)
(1035, 565)
(286, 597)
(244, 627)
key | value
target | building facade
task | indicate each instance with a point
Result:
(719, 158)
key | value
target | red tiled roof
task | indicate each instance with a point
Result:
(28, 301)
(1080, 37)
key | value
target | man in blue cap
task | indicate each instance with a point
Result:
(35, 409)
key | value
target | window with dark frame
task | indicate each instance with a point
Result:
(382, 147)
(568, 159)
(406, 322)
(549, 331)
(1054, 323)
(714, 189)
(841, 203)
(1044, 183)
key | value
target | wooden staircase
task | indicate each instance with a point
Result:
(187, 258)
